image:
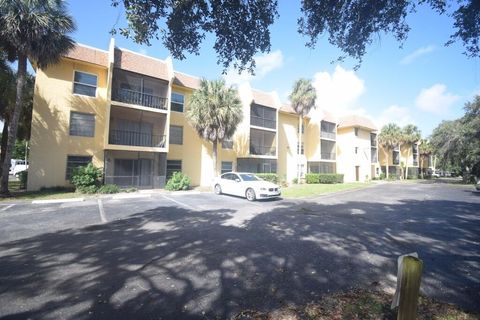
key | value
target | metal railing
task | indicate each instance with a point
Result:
(262, 150)
(139, 181)
(139, 98)
(138, 139)
(328, 135)
(262, 122)
(328, 156)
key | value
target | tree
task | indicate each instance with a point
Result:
(457, 142)
(302, 98)
(409, 136)
(35, 30)
(214, 111)
(241, 28)
(425, 149)
(388, 139)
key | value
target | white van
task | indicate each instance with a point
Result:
(17, 166)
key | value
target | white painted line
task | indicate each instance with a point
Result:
(7, 207)
(184, 193)
(102, 211)
(131, 196)
(58, 200)
(179, 203)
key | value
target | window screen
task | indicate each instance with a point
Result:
(82, 124)
(85, 84)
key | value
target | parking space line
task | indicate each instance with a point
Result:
(179, 203)
(103, 218)
(7, 207)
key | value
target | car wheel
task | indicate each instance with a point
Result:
(250, 194)
(218, 189)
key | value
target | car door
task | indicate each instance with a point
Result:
(226, 183)
(237, 185)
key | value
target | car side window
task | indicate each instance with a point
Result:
(226, 176)
(234, 177)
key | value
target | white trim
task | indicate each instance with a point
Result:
(58, 200)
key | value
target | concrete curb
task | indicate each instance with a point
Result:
(58, 201)
(131, 196)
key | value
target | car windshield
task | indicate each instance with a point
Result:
(249, 177)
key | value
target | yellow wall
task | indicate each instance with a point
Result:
(50, 140)
(287, 142)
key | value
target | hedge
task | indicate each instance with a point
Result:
(272, 177)
(323, 178)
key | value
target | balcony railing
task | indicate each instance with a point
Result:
(139, 98)
(138, 139)
(328, 135)
(262, 150)
(262, 122)
(328, 155)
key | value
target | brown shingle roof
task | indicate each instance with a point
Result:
(356, 121)
(287, 108)
(263, 98)
(88, 54)
(135, 62)
(185, 80)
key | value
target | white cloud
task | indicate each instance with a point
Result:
(436, 99)
(264, 64)
(417, 54)
(338, 92)
(395, 114)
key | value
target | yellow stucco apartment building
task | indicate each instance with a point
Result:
(125, 112)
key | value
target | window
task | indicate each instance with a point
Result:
(173, 166)
(327, 130)
(176, 135)
(82, 124)
(261, 116)
(373, 140)
(302, 151)
(178, 100)
(227, 144)
(356, 150)
(321, 167)
(85, 84)
(298, 129)
(257, 165)
(327, 150)
(356, 132)
(75, 162)
(227, 166)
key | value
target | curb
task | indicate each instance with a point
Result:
(131, 196)
(58, 200)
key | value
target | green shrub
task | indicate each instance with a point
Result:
(130, 189)
(392, 176)
(295, 181)
(178, 181)
(325, 178)
(272, 177)
(86, 179)
(109, 189)
(382, 176)
(23, 176)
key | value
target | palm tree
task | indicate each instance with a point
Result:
(410, 135)
(34, 30)
(302, 98)
(425, 149)
(215, 111)
(389, 138)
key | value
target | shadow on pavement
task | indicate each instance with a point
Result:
(173, 263)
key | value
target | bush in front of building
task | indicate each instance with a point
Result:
(177, 182)
(23, 176)
(272, 177)
(86, 179)
(109, 189)
(324, 178)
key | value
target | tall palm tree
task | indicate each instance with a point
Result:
(410, 135)
(215, 111)
(302, 99)
(35, 30)
(389, 138)
(425, 149)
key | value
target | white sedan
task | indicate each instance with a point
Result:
(245, 185)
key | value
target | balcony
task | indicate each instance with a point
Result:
(139, 98)
(328, 156)
(373, 155)
(262, 150)
(261, 116)
(373, 140)
(135, 138)
(328, 135)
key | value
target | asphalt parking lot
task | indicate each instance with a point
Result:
(202, 256)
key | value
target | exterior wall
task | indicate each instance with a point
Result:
(287, 141)
(348, 160)
(50, 140)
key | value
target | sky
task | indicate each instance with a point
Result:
(421, 83)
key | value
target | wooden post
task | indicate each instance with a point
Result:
(408, 286)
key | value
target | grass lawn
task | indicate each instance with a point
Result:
(310, 190)
(21, 194)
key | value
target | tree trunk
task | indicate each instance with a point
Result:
(214, 155)
(3, 147)
(421, 166)
(299, 147)
(12, 130)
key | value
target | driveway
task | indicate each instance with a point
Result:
(201, 256)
